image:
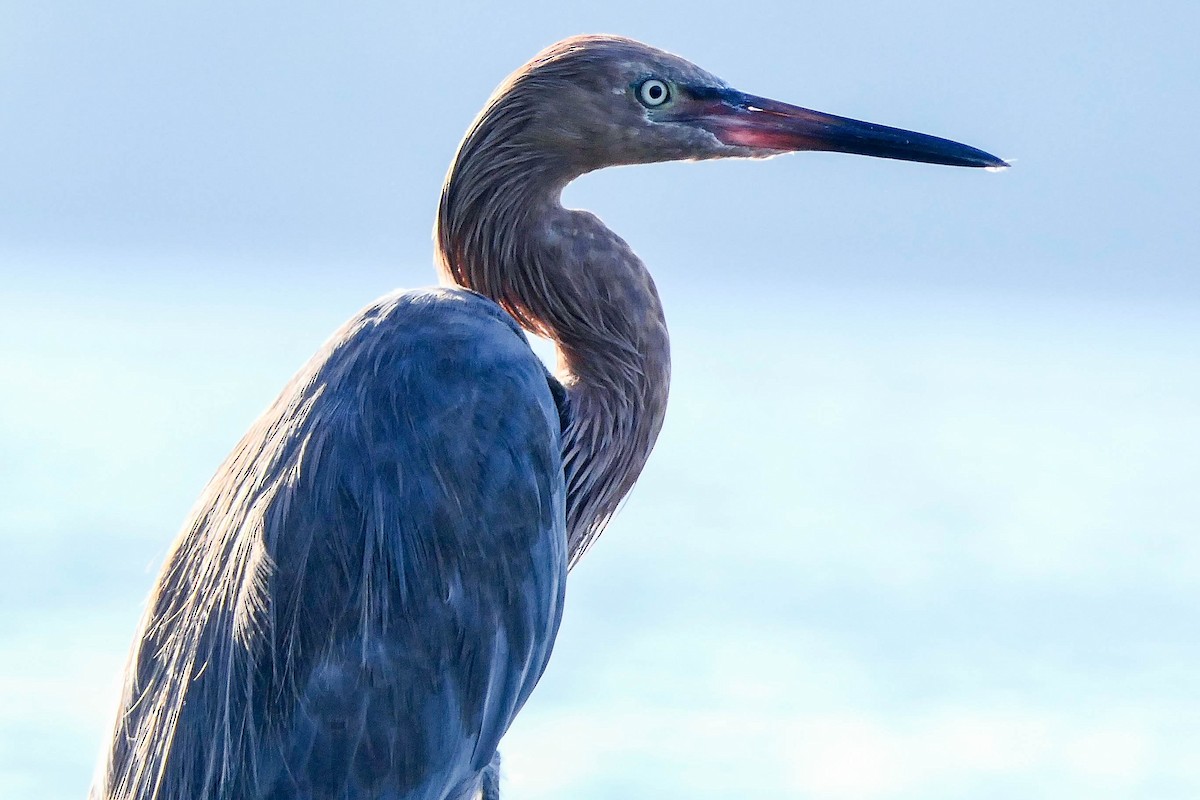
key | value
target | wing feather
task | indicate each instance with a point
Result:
(370, 586)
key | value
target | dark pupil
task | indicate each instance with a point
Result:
(655, 92)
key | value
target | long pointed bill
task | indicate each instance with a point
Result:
(743, 120)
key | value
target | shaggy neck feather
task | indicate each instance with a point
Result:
(501, 231)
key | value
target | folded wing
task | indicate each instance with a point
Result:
(370, 586)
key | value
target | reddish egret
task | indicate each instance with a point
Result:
(369, 588)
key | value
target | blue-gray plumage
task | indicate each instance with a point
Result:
(373, 580)
(369, 588)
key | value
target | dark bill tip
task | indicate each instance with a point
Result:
(744, 120)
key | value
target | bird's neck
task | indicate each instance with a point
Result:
(565, 276)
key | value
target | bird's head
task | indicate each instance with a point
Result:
(596, 101)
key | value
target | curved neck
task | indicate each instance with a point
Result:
(501, 231)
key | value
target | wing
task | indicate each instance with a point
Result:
(371, 584)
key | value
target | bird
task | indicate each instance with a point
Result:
(369, 588)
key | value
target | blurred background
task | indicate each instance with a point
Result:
(923, 521)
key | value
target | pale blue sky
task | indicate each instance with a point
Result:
(923, 519)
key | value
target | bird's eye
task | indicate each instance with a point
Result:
(653, 92)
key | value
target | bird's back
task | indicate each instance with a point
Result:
(370, 586)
